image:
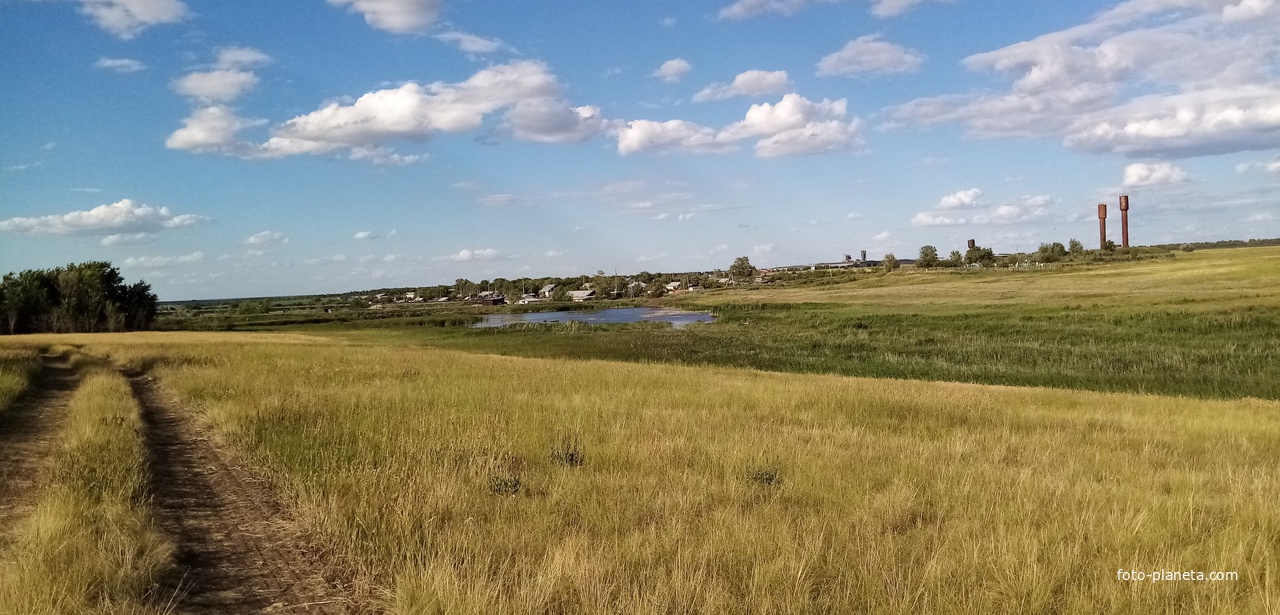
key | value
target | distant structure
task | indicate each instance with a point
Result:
(864, 255)
(1124, 220)
(1102, 226)
(848, 258)
(972, 244)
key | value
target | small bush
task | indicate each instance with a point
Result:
(769, 475)
(567, 451)
(1186, 247)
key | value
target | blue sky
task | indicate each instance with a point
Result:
(251, 148)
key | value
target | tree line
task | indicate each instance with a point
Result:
(88, 297)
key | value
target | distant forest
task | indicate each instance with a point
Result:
(78, 298)
(1229, 243)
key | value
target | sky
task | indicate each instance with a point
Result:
(232, 149)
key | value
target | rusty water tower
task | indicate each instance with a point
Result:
(1124, 220)
(1102, 226)
(972, 244)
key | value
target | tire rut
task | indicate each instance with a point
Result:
(236, 553)
(28, 431)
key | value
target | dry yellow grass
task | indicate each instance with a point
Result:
(90, 546)
(17, 366)
(434, 474)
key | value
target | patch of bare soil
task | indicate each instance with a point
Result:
(236, 551)
(28, 431)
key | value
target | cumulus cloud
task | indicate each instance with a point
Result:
(123, 66)
(961, 199)
(742, 9)
(749, 83)
(794, 125)
(761, 250)
(382, 156)
(366, 235)
(552, 120)
(412, 111)
(128, 239)
(471, 43)
(1247, 167)
(218, 85)
(929, 218)
(881, 236)
(486, 254)
(868, 55)
(119, 218)
(266, 238)
(672, 71)
(128, 18)
(160, 262)
(1262, 217)
(1144, 78)
(945, 213)
(229, 79)
(398, 16)
(210, 129)
(1153, 174)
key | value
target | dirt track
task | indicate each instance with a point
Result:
(28, 430)
(235, 555)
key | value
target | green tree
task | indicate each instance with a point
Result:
(956, 259)
(1051, 252)
(928, 257)
(890, 262)
(742, 268)
(980, 256)
(1075, 247)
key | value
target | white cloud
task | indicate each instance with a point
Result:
(673, 71)
(486, 254)
(1153, 174)
(662, 216)
(552, 120)
(337, 258)
(127, 18)
(1026, 209)
(399, 16)
(266, 238)
(762, 249)
(749, 83)
(128, 239)
(1272, 166)
(1262, 217)
(382, 156)
(928, 218)
(552, 253)
(160, 262)
(868, 55)
(961, 199)
(881, 236)
(685, 217)
(119, 218)
(795, 125)
(366, 235)
(1246, 10)
(472, 44)
(210, 129)
(742, 9)
(231, 58)
(1145, 78)
(645, 258)
(669, 22)
(123, 66)
(412, 111)
(853, 215)
(217, 85)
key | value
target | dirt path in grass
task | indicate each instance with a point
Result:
(236, 554)
(28, 430)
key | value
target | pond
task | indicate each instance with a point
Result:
(678, 318)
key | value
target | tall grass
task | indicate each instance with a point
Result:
(17, 367)
(462, 483)
(91, 545)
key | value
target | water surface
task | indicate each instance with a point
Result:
(678, 318)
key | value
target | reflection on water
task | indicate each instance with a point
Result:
(678, 318)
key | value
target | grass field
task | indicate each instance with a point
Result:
(465, 482)
(1206, 324)
(449, 480)
(90, 546)
(17, 367)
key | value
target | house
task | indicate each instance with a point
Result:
(490, 297)
(528, 298)
(582, 295)
(673, 286)
(636, 286)
(545, 291)
(442, 299)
